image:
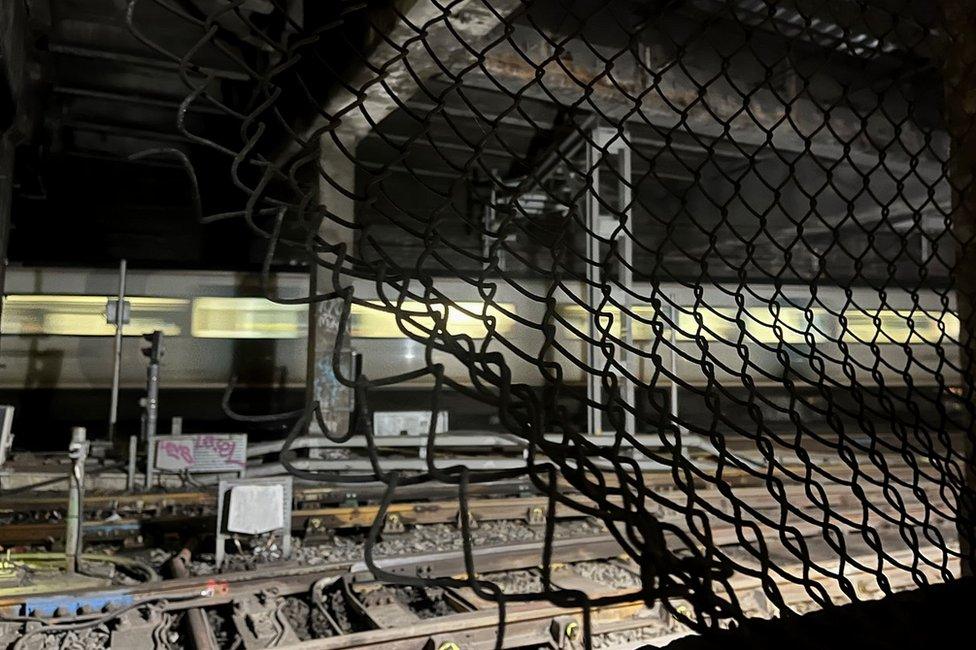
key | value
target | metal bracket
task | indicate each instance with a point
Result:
(567, 632)
(261, 623)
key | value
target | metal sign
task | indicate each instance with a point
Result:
(252, 506)
(198, 453)
(410, 423)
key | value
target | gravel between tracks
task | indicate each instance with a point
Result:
(516, 582)
(419, 539)
(608, 573)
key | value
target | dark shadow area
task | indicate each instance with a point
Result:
(937, 616)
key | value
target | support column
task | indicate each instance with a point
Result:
(609, 152)
(6, 198)
(335, 399)
(453, 32)
(16, 120)
(960, 91)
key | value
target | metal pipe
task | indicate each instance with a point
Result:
(674, 371)
(130, 476)
(152, 399)
(91, 93)
(132, 59)
(152, 414)
(594, 387)
(117, 353)
(78, 452)
(154, 352)
(201, 634)
(626, 280)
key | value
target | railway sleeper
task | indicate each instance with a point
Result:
(383, 607)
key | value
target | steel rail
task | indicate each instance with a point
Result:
(292, 577)
(362, 516)
(541, 623)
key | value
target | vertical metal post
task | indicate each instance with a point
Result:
(6, 197)
(152, 414)
(490, 224)
(154, 352)
(626, 280)
(609, 142)
(594, 387)
(959, 75)
(311, 365)
(130, 477)
(117, 353)
(334, 397)
(78, 452)
(673, 340)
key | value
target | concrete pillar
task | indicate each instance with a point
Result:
(451, 33)
(335, 399)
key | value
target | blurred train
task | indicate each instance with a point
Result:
(57, 340)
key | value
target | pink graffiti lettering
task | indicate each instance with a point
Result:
(223, 447)
(178, 451)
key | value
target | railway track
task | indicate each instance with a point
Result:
(132, 517)
(305, 521)
(278, 605)
(335, 604)
(266, 588)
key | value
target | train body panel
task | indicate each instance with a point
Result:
(217, 326)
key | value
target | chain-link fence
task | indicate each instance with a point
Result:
(711, 260)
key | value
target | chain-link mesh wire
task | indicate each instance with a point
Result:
(707, 258)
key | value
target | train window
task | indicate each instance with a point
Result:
(63, 315)
(577, 317)
(258, 318)
(247, 318)
(789, 324)
(466, 319)
(902, 327)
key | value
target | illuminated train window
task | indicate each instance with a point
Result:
(902, 327)
(239, 318)
(464, 318)
(258, 318)
(85, 315)
(790, 324)
(247, 318)
(577, 316)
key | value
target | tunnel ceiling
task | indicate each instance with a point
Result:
(105, 173)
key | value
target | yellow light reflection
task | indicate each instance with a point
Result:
(376, 324)
(247, 318)
(577, 317)
(60, 315)
(258, 318)
(895, 327)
